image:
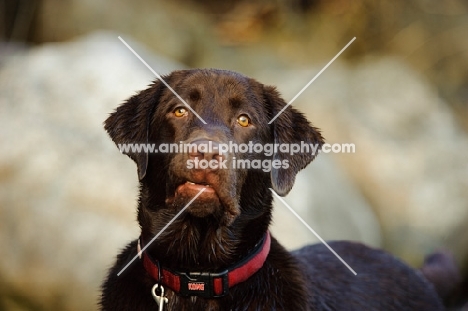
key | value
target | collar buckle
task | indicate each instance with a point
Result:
(204, 284)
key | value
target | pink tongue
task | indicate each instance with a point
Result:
(194, 187)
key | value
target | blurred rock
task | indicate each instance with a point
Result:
(68, 198)
(252, 35)
(330, 204)
(411, 156)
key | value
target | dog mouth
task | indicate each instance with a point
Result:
(190, 185)
(207, 201)
(191, 188)
(204, 193)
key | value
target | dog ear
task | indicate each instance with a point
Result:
(129, 124)
(290, 127)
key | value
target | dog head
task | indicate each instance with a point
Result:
(225, 109)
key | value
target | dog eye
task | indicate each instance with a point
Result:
(180, 112)
(243, 120)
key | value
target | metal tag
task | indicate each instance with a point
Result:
(160, 299)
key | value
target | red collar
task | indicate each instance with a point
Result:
(208, 284)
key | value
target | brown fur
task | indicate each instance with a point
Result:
(220, 229)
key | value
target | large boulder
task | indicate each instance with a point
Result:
(325, 198)
(411, 154)
(67, 197)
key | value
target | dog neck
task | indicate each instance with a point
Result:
(202, 283)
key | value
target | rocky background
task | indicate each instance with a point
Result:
(399, 93)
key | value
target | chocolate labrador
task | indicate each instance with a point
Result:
(207, 156)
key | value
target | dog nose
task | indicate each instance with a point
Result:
(205, 150)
